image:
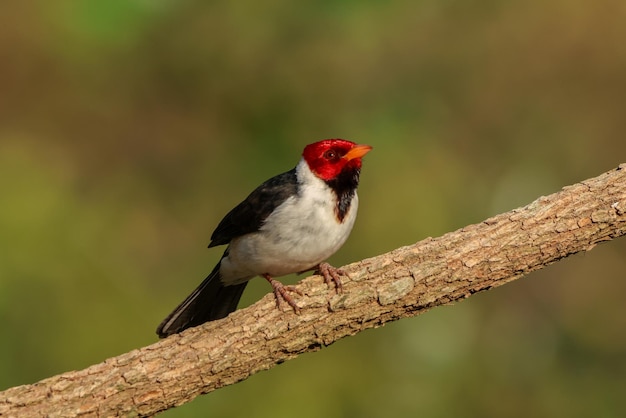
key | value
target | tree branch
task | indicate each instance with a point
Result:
(404, 282)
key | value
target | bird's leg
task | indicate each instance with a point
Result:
(280, 291)
(331, 274)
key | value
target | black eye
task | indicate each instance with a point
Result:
(330, 154)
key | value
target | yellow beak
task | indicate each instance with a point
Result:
(357, 151)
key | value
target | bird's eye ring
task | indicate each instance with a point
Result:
(330, 154)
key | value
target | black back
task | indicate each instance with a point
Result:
(249, 215)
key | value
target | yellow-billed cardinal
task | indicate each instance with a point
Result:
(289, 224)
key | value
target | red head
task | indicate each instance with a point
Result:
(329, 157)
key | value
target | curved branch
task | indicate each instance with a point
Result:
(404, 282)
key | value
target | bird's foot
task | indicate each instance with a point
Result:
(331, 274)
(281, 292)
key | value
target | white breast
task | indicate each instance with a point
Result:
(301, 233)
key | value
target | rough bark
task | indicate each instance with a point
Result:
(404, 282)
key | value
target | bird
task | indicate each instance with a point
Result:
(291, 223)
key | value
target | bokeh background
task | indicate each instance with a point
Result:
(128, 128)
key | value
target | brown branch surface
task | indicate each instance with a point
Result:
(404, 282)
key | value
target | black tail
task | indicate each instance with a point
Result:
(210, 301)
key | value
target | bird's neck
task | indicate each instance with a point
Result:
(342, 187)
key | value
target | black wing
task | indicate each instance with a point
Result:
(248, 216)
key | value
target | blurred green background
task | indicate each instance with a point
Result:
(128, 128)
